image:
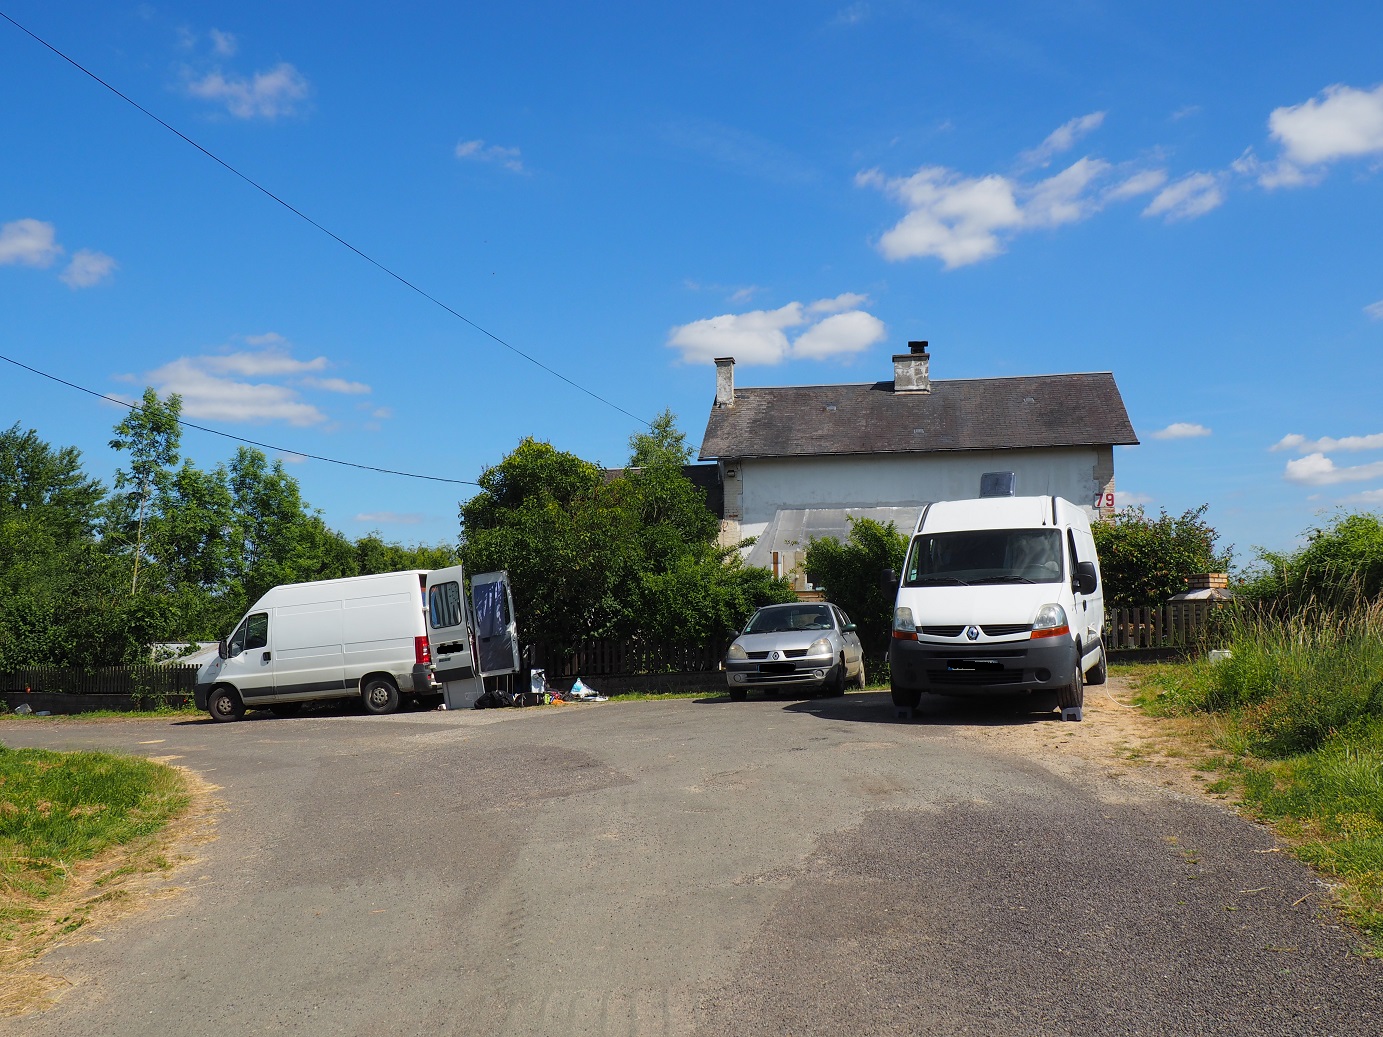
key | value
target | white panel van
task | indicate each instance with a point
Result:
(999, 595)
(363, 636)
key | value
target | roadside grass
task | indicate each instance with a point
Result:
(1295, 721)
(72, 825)
(161, 713)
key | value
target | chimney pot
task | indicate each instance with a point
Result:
(912, 370)
(725, 381)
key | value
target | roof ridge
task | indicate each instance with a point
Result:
(935, 381)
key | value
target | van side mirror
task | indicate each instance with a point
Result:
(222, 650)
(888, 581)
(1085, 580)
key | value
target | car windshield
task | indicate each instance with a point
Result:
(785, 618)
(984, 556)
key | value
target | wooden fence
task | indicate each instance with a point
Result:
(1186, 624)
(142, 683)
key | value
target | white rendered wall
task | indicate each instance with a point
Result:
(881, 480)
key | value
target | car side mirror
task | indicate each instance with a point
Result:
(850, 628)
(1085, 580)
(888, 581)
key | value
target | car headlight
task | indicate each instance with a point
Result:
(1050, 622)
(736, 652)
(821, 646)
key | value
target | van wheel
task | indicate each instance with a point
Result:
(380, 696)
(225, 706)
(1099, 673)
(905, 698)
(1073, 695)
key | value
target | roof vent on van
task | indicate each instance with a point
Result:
(998, 484)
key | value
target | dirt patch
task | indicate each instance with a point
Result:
(1115, 736)
(123, 881)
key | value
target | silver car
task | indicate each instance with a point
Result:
(806, 645)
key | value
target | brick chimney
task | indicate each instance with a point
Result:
(910, 369)
(725, 381)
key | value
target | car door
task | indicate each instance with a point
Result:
(854, 649)
(249, 665)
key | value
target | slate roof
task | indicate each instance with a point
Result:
(1057, 410)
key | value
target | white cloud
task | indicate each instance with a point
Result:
(756, 337)
(88, 268)
(844, 301)
(1063, 138)
(223, 43)
(337, 385)
(839, 335)
(406, 518)
(1125, 499)
(1146, 182)
(1375, 309)
(1301, 445)
(1369, 498)
(383, 413)
(1185, 199)
(268, 338)
(266, 95)
(274, 361)
(288, 457)
(1181, 430)
(761, 336)
(28, 242)
(1342, 122)
(1318, 470)
(479, 151)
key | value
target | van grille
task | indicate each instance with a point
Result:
(1006, 629)
(942, 631)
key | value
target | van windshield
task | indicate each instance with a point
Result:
(980, 556)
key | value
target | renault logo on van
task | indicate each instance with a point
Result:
(973, 633)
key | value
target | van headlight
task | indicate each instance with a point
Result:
(1050, 622)
(903, 626)
(736, 653)
(820, 646)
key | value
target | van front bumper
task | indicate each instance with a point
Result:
(200, 693)
(995, 668)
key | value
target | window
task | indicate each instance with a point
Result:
(782, 618)
(444, 605)
(984, 556)
(253, 632)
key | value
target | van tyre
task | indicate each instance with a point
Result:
(1099, 673)
(380, 696)
(905, 698)
(1073, 695)
(225, 706)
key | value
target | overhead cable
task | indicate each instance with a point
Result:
(238, 439)
(329, 233)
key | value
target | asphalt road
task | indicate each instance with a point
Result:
(689, 868)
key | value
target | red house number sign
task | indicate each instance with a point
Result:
(1104, 500)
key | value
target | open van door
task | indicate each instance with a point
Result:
(449, 638)
(496, 631)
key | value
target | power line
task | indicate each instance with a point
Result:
(329, 233)
(238, 439)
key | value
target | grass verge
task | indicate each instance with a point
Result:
(161, 713)
(1295, 722)
(73, 827)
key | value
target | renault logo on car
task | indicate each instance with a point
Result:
(775, 655)
(973, 633)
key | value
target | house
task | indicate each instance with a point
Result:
(795, 461)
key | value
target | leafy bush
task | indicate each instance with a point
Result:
(850, 575)
(1340, 566)
(1144, 561)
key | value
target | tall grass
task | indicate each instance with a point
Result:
(1299, 711)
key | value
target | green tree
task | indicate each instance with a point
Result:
(851, 575)
(374, 555)
(47, 486)
(1340, 565)
(663, 443)
(1144, 561)
(151, 434)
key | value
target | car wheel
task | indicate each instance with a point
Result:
(1099, 673)
(837, 685)
(905, 698)
(737, 694)
(380, 697)
(286, 709)
(861, 681)
(225, 706)
(1073, 695)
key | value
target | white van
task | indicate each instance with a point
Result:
(999, 595)
(363, 636)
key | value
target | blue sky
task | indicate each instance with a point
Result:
(1191, 197)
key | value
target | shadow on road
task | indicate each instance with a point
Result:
(876, 707)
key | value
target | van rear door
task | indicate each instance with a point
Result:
(497, 632)
(448, 625)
